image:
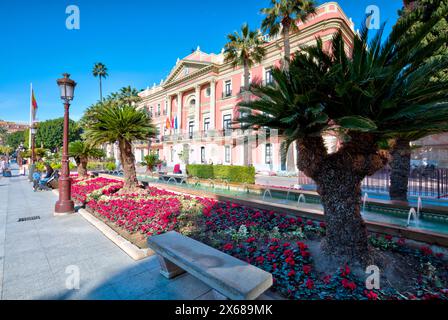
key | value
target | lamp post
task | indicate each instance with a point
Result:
(32, 166)
(65, 204)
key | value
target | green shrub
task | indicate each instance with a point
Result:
(239, 174)
(110, 166)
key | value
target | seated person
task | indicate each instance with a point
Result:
(177, 169)
(36, 180)
(49, 171)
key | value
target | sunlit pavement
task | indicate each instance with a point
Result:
(40, 259)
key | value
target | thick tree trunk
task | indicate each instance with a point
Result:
(128, 163)
(338, 177)
(346, 236)
(401, 167)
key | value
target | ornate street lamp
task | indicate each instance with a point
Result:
(65, 204)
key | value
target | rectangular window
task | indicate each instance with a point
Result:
(227, 124)
(190, 129)
(172, 154)
(151, 112)
(228, 88)
(158, 110)
(206, 126)
(227, 154)
(268, 153)
(208, 92)
(203, 155)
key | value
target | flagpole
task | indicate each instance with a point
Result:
(31, 113)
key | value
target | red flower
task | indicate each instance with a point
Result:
(250, 240)
(345, 271)
(388, 237)
(307, 269)
(260, 259)
(305, 254)
(288, 253)
(426, 251)
(302, 246)
(309, 284)
(371, 295)
(228, 247)
(348, 284)
(327, 279)
(290, 261)
(322, 225)
(291, 273)
(401, 242)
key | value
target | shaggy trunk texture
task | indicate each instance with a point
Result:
(338, 177)
(81, 163)
(287, 46)
(128, 162)
(401, 167)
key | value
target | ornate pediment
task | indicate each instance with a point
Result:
(184, 69)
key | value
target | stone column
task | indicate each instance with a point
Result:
(197, 111)
(213, 104)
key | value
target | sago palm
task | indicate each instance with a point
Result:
(117, 121)
(100, 71)
(283, 16)
(379, 91)
(82, 152)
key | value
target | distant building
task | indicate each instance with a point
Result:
(12, 127)
(200, 97)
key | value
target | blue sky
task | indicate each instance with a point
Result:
(138, 40)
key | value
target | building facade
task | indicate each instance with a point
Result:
(194, 107)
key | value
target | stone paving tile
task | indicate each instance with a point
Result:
(34, 256)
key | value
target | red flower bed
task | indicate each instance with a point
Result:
(82, 188)
(263, 238)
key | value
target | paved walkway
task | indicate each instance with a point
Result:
(38, 257)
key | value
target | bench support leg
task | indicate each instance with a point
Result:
(168, 269)
(219, 296)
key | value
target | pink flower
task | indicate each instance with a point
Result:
(291, 273)
(309, 284)
(307, 269)
(228, 247)
(371, 295)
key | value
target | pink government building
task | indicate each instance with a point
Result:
(193, 108)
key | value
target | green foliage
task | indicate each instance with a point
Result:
(96, 165)
(55, 165)
(286, 12)
(116, 121)
(238, 174)
(81, 149)
(6, 150)
(50, 133)
(15, 139)
(245, 48)
(151, 160)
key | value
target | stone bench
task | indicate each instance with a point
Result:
(227, 276)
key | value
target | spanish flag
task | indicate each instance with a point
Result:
(168, 124)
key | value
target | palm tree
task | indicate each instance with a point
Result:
(118, 121)
(151, 161)
(127, 95)
(245, 49)
(82, 152)
(379, 91)
(282, 17)
(100, 71)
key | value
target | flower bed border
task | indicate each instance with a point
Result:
(127, 246)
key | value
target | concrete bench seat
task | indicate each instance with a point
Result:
(227, 276)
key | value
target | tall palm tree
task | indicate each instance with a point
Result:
(100, 71)
(379, 91)
(118, 121)
(82, 152)
(282, 17)
(245, 49)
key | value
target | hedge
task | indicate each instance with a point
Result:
(239, 174)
